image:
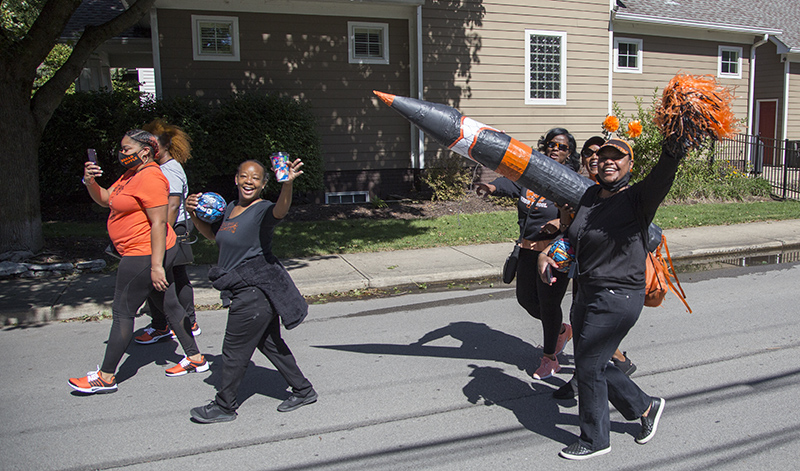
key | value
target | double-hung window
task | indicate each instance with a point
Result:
(628, 55)
(729, 62)
(545, 67)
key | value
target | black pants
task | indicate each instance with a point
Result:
(542, 301)
(252, 323)
(185, 292)
(133, 286)
(600, 320)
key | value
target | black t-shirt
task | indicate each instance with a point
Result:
(247, 235)
(534, 211)
(607, 232)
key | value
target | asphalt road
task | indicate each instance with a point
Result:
(435, 381)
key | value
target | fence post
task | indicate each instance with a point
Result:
(785, 166)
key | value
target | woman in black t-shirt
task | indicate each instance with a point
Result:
(257, 288)
(609, 268)
(540, 222)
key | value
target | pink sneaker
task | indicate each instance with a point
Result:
(563, 338)
(547, 369)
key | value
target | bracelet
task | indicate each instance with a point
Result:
(83, 180)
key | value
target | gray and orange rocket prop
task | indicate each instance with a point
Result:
(491, 148)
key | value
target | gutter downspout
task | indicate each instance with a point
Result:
(751, 90)
(420, 135)
(785, 124)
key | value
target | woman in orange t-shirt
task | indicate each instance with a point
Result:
(138, 228)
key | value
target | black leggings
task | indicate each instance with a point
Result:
(542, 301)
(133, 286)
(183, 287)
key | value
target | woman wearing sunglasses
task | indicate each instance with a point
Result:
(540, 223)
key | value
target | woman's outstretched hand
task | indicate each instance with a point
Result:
(294, 169)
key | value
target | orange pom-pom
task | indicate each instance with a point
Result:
(611, 123)
(694, 108)
(634, 129)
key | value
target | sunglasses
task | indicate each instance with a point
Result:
(588, 153)
(561, 147)
(603, 158)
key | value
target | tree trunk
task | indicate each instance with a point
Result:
(20, 210)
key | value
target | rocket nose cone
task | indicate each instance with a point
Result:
(387, 98)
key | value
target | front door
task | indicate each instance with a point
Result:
(766, 127)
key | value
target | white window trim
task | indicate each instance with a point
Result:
(563, 71)
(628, 70)
(351, 53)
(722, 49)
(197, 55)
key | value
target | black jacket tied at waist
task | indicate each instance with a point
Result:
(270, 277)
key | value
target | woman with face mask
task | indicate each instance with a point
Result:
(137, 225)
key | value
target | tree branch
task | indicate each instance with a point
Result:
(27, 53)
(49, 96)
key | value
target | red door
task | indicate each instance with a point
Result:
(767, 125)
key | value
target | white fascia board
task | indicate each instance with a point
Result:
(398, 9)
(632, 17)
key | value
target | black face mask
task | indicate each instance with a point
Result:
(129, 161)
(617, 185)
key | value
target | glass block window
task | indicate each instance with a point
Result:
(368, 43)
(215, 38)
(628, 55)
(545, 67)
(729, 62)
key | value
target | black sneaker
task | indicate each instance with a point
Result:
(568, 391)
(212, 413)
(295, 402)
(650, 423)
(576, 451)
(626, 365)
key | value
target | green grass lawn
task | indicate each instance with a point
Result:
(303, 239)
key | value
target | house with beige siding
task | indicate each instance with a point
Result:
(521, 66)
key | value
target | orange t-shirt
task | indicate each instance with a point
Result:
(134, 192)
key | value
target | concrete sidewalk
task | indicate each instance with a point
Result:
(42, 300)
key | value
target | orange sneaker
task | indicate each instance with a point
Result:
(547, 368)
(152, 335)
(188, 366)
(563, 338)
(92, 383)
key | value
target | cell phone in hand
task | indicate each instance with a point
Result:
(548, 273)
(92, 155)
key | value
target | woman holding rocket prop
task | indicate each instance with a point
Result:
(608, 235)
(540, 222)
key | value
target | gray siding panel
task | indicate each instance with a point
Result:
(305, 57)
(793, 127)
(475, 60)
(662, 58)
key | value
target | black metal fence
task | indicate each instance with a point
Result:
(775, 160)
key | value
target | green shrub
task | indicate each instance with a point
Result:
(245, 127)
(84, 120)
(254, 126)
(700, 176)
(447, 178)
